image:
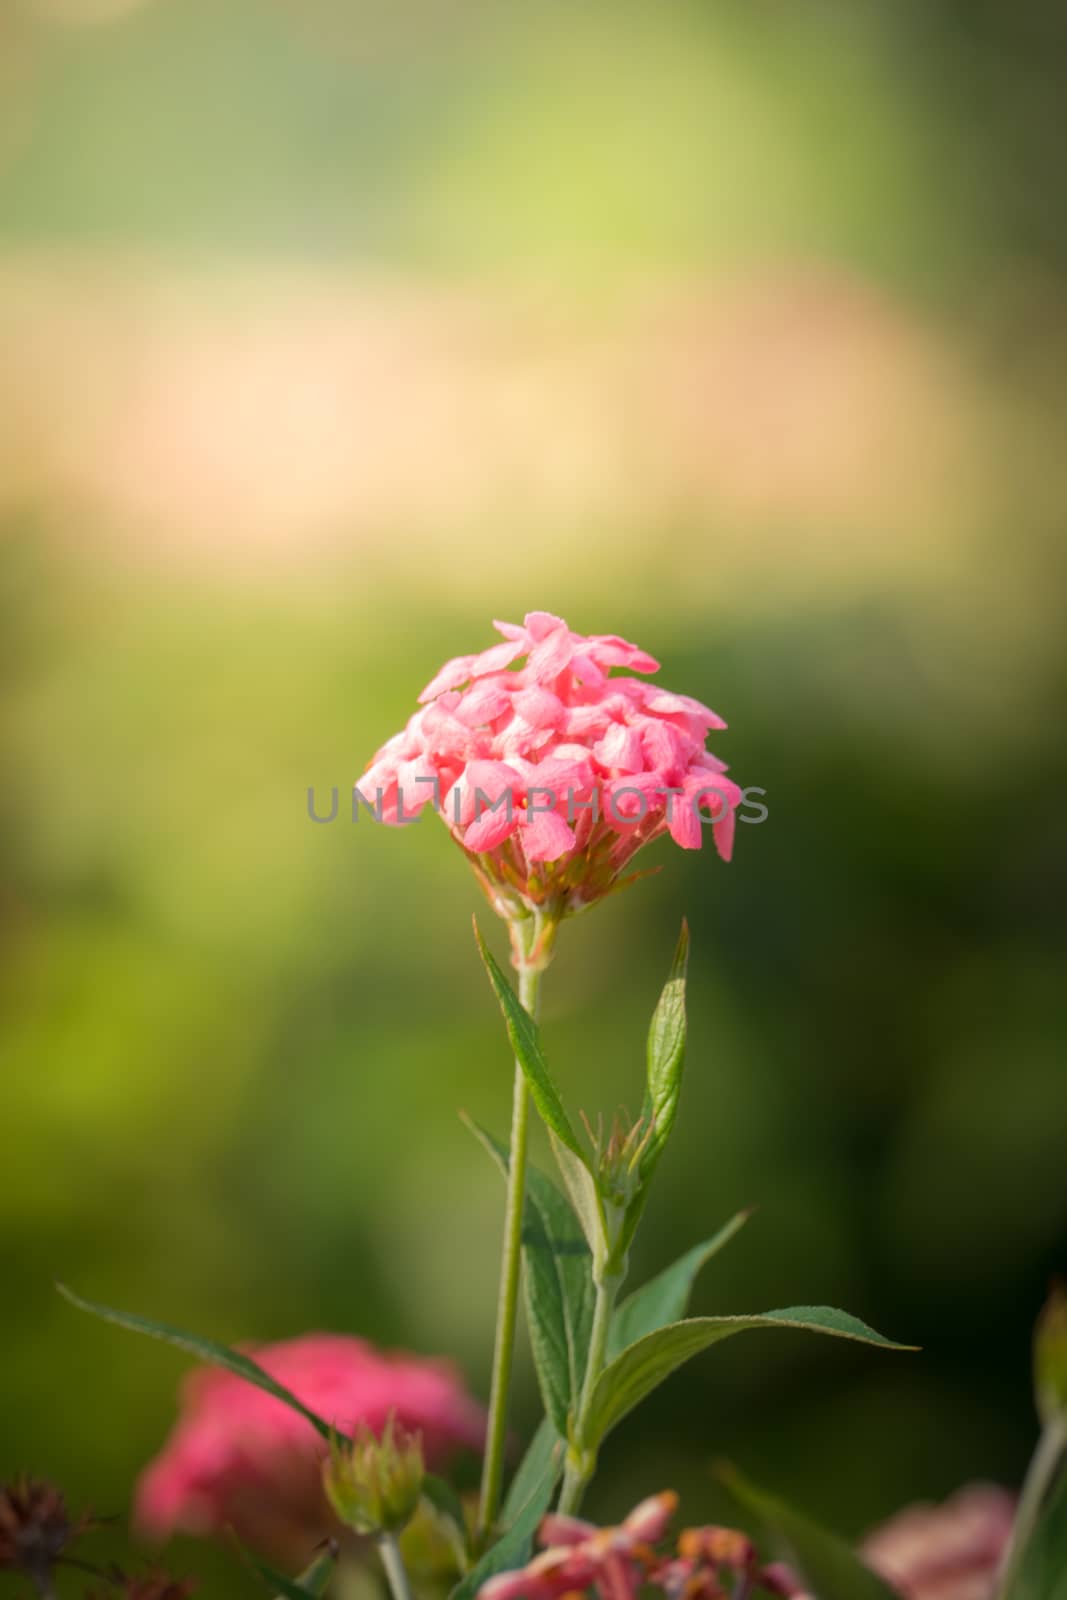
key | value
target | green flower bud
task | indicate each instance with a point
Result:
(1050, 1357)
(374, 1484)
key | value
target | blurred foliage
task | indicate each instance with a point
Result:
(219, 1104)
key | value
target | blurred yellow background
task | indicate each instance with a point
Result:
(328, 333)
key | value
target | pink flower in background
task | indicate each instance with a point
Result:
(951, 1551)
(550, 773)
(239, 1458)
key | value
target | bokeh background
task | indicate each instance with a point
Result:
(329, 332)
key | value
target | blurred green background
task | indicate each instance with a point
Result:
(328, 333)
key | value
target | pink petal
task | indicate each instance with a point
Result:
(663, 703)
(558, 1528)
(515, 1586)
(510, 630)
(618, 1579)
(451, 675)
(587, 669)
(539, 624)
(550, 656)
(585, 722)
(417, 783)
(683, 822)
(713, 792)
(648, 1521)
(611, 651)
(665, 748)
(623, 798)
(491, 828)
(620, 747)
(546, 836)
(566, 772)
(540, 707)
(496, 657)
(483, 703)
(490, 779)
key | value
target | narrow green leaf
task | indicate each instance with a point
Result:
(665, 1298)
(666, 1054)
(828, 1565)
(522, 1031)
(513, 1550)
(583, 1194)
(312, 1581)
(539, 1472)
(643, 1366)
(209, 1350)
(557, 1284)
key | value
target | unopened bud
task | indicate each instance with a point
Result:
(617, 1158)
(1050, 1357)
(374, 1484)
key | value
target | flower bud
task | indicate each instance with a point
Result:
(1050, 1357)
(374, 1484)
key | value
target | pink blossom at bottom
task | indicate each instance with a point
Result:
(621, 1563)
(239, 1458)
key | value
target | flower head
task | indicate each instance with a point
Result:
(550, 773)
(240, 1458)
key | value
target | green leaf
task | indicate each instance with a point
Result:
(1041, 1570)
(583, 1194)
(665, 1298)
(642, 1366)
(558, 1286)
(828, 1566)
(209, 1350)
(513, 1550)
(539, 1472)
(312, 1581)
(666, 1054)
(447, 1505)
(522, 1031)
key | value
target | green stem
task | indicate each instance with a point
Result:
(529, 947)
(395, 1571)
(1040, 1474)
(581, 1457)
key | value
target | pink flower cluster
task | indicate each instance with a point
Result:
(550, 772)
(239, 1458)
(947, 1552)
(618, 1563)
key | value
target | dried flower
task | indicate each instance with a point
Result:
(152, 1585)
(550, 774)
(239, 1458)
(36, 1529)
